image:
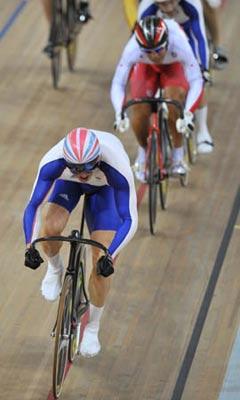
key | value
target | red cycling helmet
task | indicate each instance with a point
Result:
(151, 33)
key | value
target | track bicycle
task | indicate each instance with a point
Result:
(73, 305)
(68, 17)
(159, 148)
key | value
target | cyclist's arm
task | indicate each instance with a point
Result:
(146, 7)
(192, 72)
(195, 12)
(126, 203)
(120, 79)
(47, 175)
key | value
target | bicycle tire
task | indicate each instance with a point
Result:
(166, 151)
(184, 178)
(192, 148)
(62, 336)
(80, 304)
(152, 183)
(56, 67)
(56, 38)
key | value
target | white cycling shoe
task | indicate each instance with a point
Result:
(52, 284)
(204, 143)
(139, 165)
(179, 168)
(90, 345)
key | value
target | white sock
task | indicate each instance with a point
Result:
(55, 264)
(94, 318)
(177, 154)
(141, 153)
(201, 118)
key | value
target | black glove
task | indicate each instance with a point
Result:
(32, 258)
(105, 266)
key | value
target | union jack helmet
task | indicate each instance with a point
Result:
(81, 146)
(151, 32)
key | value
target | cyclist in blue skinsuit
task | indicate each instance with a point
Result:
(189, 14)
(84, 162)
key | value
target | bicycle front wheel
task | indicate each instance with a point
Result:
(153, 182)
(166, 156)
(57, 40)
(62, 336)
(80, 303)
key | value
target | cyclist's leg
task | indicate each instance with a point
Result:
(175, 87)
(143, 83)
(211, 14)
(47, 8)
(204, 139)
(103, 221)
(63, 199)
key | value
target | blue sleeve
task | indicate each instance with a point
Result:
(151, 10)
(195, 28)
(46, 177)
(122, 199)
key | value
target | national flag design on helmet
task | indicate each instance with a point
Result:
(81, 146)
(151, 32)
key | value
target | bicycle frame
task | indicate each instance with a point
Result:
(76, 242)
(158, 104)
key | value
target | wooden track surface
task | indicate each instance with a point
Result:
(160, 281)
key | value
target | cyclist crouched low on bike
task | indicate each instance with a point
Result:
(84, 162)
(158, 55)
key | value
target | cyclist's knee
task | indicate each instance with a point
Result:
(176, 93)
(54, 220)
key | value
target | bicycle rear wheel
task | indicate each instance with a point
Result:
(57, 38)
(153, 182)
(56, 67)
(166, 154)
(192, 148)
(62, 336)
(80, 303)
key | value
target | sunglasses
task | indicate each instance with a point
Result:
(156, 50)
(78, 168)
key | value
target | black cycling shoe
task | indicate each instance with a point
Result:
(49, 50)
(220, 59)
(84, 12)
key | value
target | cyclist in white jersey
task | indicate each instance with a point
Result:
(158, 55)
(211, 13)
(189, 14)
(88, 162)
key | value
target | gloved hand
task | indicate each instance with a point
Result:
(185, 125)
(105, 266)
(207, 76)
(120, 124)
(33, 259)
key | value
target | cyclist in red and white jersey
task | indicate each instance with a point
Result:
(189, 15)
(158, 55)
